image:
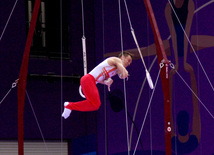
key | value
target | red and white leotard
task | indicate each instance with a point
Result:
(103, 71)
(88, 82)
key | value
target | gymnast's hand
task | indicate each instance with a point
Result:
(124, 74)
(108, 82)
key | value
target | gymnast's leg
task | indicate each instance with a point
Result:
(91, 93)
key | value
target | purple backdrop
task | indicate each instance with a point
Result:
(153, 131)
(103, 36)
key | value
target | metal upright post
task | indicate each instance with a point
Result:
(23, 78)
(161, 54)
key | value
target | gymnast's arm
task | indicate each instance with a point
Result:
(107, 82)
(121, 70)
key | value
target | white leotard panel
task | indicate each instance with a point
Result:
(103, 71)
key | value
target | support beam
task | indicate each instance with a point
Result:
(23, 78)
(161, 54)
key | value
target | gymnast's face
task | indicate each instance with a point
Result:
(127, 60)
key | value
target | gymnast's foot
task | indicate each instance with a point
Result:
(66, 113)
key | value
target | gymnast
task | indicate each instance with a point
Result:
(102, 73)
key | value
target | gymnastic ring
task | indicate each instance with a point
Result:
(80, 91)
